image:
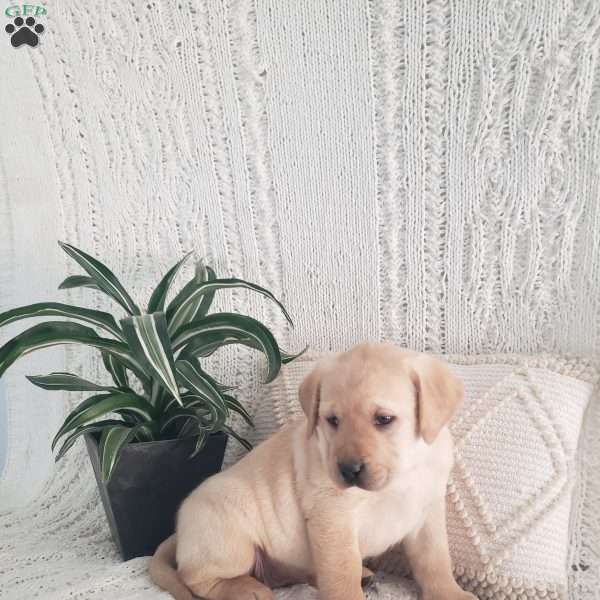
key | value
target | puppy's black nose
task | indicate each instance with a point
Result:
(350, 472)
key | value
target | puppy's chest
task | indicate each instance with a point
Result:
(386, 521)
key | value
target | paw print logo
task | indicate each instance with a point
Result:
(24, 32)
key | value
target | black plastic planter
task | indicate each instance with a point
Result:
(147, 486)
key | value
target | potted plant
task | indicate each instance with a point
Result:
(161, 426)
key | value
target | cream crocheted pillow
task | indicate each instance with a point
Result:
(511, 490)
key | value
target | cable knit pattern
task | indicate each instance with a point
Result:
(484, 113)
(422, 172)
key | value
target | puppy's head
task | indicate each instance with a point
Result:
(371, 408)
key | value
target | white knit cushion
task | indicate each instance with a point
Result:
(510, 493)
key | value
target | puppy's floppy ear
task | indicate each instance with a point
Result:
(439, 394)
(310, 397)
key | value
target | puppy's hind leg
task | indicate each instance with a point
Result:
(163, 570)
(219, 568)
(218, 582)
(241, 588)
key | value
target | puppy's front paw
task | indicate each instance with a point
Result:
(258, 594)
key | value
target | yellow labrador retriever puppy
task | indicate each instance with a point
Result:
(365, 470)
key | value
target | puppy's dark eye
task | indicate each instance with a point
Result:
(383, 420)
(333, 421)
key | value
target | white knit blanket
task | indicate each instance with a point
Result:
(59, 545)
(421, 172)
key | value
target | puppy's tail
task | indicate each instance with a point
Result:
(163, 571)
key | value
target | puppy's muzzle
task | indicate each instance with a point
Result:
(351, 472)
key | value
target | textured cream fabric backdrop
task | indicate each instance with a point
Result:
(422, 172)
(425, 172)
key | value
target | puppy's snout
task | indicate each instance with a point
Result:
(351, 471)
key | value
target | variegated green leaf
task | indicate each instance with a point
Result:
(75, 281)
(288, 357)
(103, 276)
(159, 396)
(101, 405)
(244, 442)
(189, 399)
(201, 440)
(206, 344)
(53, 333)
(236, 406)
(208, 416)
(203, 272)
(147, 336)
(178, 315)
(145, 432)
(236, 326)
(184, 309)
(190, 428)
(112, 441)
(116, 369)
(68, 382)
(202, 405)
(129, 418)
(157, 300)
(191, 376)
(56, 309)
(91, 428)
(175, 414)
